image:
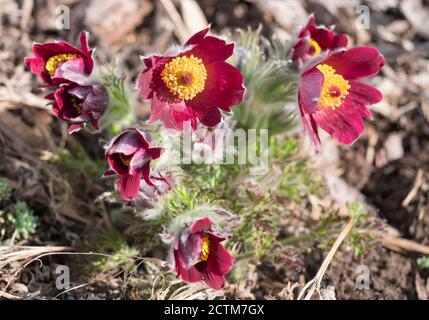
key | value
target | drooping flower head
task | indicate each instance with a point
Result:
(192, 82)
(78, 99)
(129, 155)
(198, 255)
(314, 39)
(330, 95)
(48, 57)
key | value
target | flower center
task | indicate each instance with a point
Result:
(76, 106)
(335, 87)
(52, 63)
(315, 49)
(185, 76)
(125, 160)
(205, 249)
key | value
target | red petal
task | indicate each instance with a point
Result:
(197, 37)
(340, 41)
(310, 126)
(145, 79)
(357, 62)
(211, 49)
(214, 281)
(366, 93)
(344, 124)
(75, 127)
(323, 36)
(189, 275)
(171, 114)
(219, 260)
(201, 225)
(310, 89)
(146, 174)
(224, 88)
(128, 186)
(155, 153)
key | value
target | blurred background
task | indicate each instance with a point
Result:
(388, 167)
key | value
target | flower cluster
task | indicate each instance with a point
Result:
(195, 84)
(77, 98)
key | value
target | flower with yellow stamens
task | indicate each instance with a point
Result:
(198, 254)
(192, 83)
(330, 96)
(49, 56)
(314, 39)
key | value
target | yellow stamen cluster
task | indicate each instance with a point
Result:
(76, 106)
(51, 64)
(185, 76)
(205, 249)
(316, 48)
(335, 87)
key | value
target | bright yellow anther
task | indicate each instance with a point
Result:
(185, 76)
(205, 249)
(52, 63)
(316, 49)
(335, 87)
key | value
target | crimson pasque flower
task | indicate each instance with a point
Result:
(330, 95)
(129, 155)
(49, 56)
(314, 39)
(192, 82)
(199, 255)
(79, 99)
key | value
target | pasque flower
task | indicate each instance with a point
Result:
(192, 82)
(78, 99)
(314, 39)
(129, 155)
(48, 57)
(198, 255)
(331, 97)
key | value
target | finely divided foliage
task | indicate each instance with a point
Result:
(195, 208)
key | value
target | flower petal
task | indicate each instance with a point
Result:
(128, 186)
(310, 126)
(197, 37)
(344, 124)
(171, 114)
(214, 281)
(211, 49)
(219, 260)
(224, 88)
(357, 62)
(201, 225)
(310, 90)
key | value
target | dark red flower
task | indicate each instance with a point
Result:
(79, 99)
(199, 255)
(192, 82)
(330, 95)
(48, 57)
(129, 155)
(314, 39)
